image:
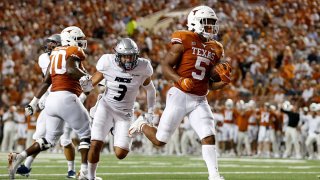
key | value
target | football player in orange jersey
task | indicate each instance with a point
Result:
(63, 73)
(188, 63)
(44, 60)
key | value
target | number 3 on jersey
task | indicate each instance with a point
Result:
(58, 62)
(122, 92)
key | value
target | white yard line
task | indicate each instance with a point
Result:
(177, 173)
(183, 166)
(251, 159)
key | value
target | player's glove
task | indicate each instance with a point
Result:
(224, 71)
(149, 117)
(31, 107)
(86, 83)
(186, 84)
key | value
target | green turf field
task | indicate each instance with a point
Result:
(137, 167)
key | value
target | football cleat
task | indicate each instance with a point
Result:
(71, 174)
(82, 175)
(14, 160)
(23, 170)
(136, 126)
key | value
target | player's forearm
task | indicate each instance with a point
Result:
(169, 73)
(76, 73)
(151, 96)
(217, 85)
(42, 89)
(96, 78)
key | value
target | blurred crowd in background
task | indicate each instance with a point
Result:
(273, 47)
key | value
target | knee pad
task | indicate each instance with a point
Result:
(65, 142)
(84, 143)
(43, 143)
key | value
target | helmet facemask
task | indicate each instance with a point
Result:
(208, 28)
(127, 61)
(81, 42)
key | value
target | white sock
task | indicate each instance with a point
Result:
(28, 162)
(23, 154)
(84, 167)
(209, 155)
(20, 158)
(71, 165)
(92, 167)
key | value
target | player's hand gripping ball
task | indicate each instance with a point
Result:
(221, 72)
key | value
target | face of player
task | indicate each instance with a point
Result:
(209, 26)
(50, 45)
(128, 61)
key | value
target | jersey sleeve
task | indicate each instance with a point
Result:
(103, 62)
(43, 62)
(76, 52)
(219, 50)
(182, 37)
(176, 38)
(149, 69)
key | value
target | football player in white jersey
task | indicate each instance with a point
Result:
(65, 140)
(124, 73)
(64, 71)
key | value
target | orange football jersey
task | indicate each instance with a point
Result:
(197, 60)
(60, 80)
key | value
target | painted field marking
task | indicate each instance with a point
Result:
(179, 173)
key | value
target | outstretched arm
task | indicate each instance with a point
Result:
(217, 85)
(96, 78)
(32, 106)
(151, 94)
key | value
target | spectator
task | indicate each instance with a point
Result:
(10, 119)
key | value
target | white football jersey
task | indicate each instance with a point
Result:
(44, 61)
(122, 86)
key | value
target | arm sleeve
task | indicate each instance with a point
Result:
(151, 96)
(76, 52)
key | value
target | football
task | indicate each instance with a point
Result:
(220, 68)
(214, 75)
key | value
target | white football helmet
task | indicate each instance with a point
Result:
(73, 36)
(229, 104)
(313, 107)
(202, 17)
